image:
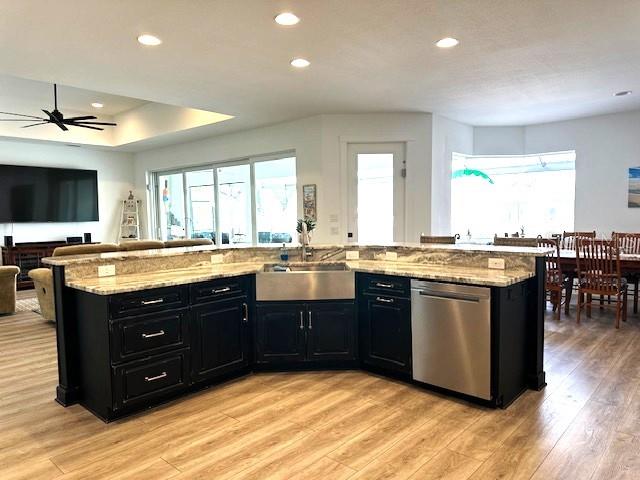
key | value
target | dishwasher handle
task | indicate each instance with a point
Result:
(450, 296)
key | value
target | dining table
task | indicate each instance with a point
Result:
(629, 266)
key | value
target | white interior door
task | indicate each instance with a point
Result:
(376, 192)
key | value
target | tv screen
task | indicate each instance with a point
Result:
(38, 194)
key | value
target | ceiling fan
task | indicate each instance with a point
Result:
(57, 118)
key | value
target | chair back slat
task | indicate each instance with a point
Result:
(627, 242)
(552, 260)
(598, 265)
(569, 238)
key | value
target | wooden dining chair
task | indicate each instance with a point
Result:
(599, 274)
(629, 243)
(569, 238)
(555, 281)
(439, 239)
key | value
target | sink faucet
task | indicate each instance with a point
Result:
(307, 251)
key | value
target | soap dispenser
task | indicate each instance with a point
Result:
(284, 253)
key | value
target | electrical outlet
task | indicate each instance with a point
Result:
(353, 255)
(217, 258)
(106, 270)
(497, 263)
(391, 256)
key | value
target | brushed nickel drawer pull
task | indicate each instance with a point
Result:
(245, 313)
(157, 377)
(384, 285)
(152, 302)
(310, 325)
(301, 320)
(384, 300)
(151, 335)
(221, 290)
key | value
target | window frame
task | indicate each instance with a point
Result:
(154, 191)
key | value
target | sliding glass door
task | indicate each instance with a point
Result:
(201, 205)
(245, 202)
(234, 198)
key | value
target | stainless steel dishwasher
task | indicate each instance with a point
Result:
(451, 336)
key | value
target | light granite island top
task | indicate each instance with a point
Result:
(180, 276)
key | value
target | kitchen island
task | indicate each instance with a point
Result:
(166, 322)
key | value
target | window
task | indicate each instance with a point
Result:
(276, 200)
(530, 194)
(245, 202)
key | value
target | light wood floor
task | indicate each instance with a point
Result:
(585, 424)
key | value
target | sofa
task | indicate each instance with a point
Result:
(43, 277)
(8, 289)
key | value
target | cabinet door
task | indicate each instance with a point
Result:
(331, 331)
(280, 332)
(220, 339)
(385, 328)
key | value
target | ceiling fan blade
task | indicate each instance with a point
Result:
(34, 124)
(86, 117)
(86, 126)
(21, 115)
(92, 123)
(53, 119)
(20, 119)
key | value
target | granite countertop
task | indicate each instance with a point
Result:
(165, 278)
(398, 247)
(443, 273)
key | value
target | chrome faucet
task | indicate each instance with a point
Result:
(307, 251)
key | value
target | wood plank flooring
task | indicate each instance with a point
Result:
(334, 425)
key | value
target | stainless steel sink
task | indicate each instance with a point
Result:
(305, 281)
(306, 267)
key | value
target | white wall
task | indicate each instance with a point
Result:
(449, 136)
(115, 174)
(320, 145)
(498, 140)
(606, 146)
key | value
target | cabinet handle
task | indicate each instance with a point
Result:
(221, 290)
(157, 377)
(384, 285)
(384, 300)
(152, 302)
(245, 313)
(151, 335)
(301, 320)
(310, 326)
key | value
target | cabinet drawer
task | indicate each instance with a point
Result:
(146, 301)
(154, 377)
(385, 285)
(148, 335)
(218, 289)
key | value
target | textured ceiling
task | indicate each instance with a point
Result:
(519, 61)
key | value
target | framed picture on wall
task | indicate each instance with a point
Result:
(634, 187)
(309, 202)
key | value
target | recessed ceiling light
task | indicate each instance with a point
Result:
(287, 19)
(447, 42)
(300, 62)
(623, 93)
(97, 105)
(149, 40)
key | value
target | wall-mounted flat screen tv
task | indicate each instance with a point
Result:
(38, 194)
